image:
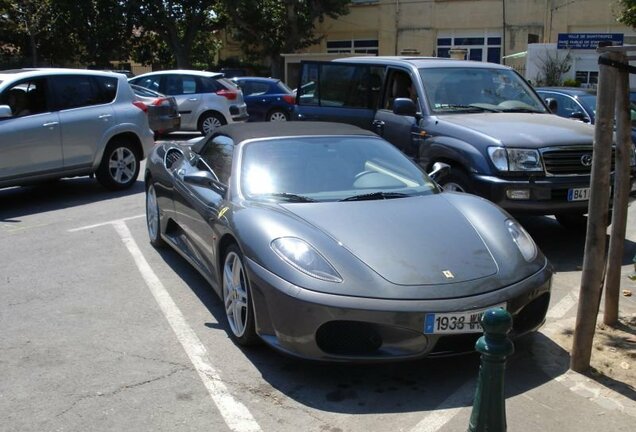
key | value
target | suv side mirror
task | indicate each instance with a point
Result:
(5, 111)
(579, 115)
(552, 105)
(440, 170)
(404, 106)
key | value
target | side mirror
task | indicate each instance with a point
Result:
(404, 106)
(200, 178)
(5, 111)
(440, 170)
(579, 115)
(552, 105)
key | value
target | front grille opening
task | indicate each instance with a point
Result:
(456, 344)
(349, 338)
(532, 314)
(569, 161)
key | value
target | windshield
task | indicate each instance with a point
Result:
(330, 168)
(456, 90)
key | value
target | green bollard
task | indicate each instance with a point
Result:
(489, 406)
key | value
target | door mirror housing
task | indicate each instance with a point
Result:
(404, 106)
(5, 111)
(440, 170)
(579, 115)
(199, 178)
(552, 105)
(205, 179)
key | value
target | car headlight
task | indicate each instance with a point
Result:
(522, 239)
(302, 256)
(515, 159)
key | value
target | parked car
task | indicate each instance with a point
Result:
(163, 112)
(66, 122)
(327, 243)
(578, 104)
(206, 100)
(267, 99)
(483, 119)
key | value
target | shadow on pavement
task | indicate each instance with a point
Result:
(412, 386)
(21, 201)
(564, 248)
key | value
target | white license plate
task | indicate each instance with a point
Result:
(579, 194)
(458, 322)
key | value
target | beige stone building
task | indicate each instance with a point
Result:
(491, 30)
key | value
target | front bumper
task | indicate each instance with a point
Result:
(319, 326)
(548, 195)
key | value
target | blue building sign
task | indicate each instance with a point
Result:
(587, 40)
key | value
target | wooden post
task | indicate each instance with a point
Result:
(621, 195)
(594, 255)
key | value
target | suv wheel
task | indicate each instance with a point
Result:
(209, 122)
(119, 167)
(456, 181)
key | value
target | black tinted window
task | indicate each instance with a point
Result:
(74, 91)
(149, 82)
(341, 85)
(217, 153)
(107, 89)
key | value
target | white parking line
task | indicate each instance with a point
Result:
(448, 409)
(112, 222)
(234, 413)
(564, 305)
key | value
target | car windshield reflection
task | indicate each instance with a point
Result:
(307, 169)
(467, 90)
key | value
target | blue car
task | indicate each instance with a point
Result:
(267, 99)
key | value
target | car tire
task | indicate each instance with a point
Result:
(237, 298)
(456, 181)
(277, 115)
(153, 217)
(119, 167)
(209, 121)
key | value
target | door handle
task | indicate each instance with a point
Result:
(193, 99)
(105, 116)
(51, 124)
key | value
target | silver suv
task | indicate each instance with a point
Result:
(67, 122)
(206, 100)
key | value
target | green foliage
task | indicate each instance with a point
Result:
(627, 12)
(571, 83)
(267, 28)
(185, 27)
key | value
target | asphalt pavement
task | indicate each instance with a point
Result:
(102, 332)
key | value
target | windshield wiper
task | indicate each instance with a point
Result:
(446, 107)
(289, 197)
(376, 196)
(522, 110)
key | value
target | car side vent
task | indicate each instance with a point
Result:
(172, 155)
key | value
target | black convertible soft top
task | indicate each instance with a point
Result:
(243, 131)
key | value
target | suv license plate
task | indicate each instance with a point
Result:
(579, 194)
(461, 322)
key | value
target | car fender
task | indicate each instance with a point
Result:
(144, 137)
(454, 151)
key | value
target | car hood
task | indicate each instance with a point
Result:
(521, 129)
(408, 241)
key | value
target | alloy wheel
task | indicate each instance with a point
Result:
(152, 213)
(122, 165)
(235, 294)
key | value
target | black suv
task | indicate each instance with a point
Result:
(483, 119)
